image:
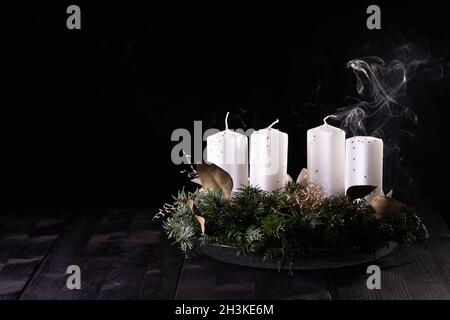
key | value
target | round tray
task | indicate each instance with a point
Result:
(319, 259)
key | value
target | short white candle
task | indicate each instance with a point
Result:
(326, 158)
(229, 150)
(268, 158)
(364, 163)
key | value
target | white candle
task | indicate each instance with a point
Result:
(326, 158)
(268, 158)
(364, 164)
(229, 150)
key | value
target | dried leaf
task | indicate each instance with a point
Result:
(359, 191)
(193, 207)
(214, 177)
(201, 220)
(302, 178)
(197, 181)
(288, 179)
(387, 207)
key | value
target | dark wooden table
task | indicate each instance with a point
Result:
(123, 254)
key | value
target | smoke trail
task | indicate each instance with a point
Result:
(383, 90)
(384, 108)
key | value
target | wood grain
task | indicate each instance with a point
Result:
(50, 280)
(123, 254)
(408, 273)
(204, 278)
(25, 242)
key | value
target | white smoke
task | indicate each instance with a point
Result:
(383, 107)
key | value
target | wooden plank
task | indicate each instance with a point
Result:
(26, 242)
(93, 247)
(440, 249)
(122, 255)
(408, 273)
(205, 278)
(439, 245)
(15, 230)
(350, 283)
(50, 280)
(154, 264)
(423, 277)
(163, 269)
(10, 235)
(101, 251)
(125, 278)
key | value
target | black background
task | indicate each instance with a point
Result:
(87, 115)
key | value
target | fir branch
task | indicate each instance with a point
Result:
(280, 227)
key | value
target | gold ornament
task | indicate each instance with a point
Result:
(308, 197)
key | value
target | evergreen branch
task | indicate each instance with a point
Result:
(280, 227)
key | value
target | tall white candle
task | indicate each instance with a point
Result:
(364, 164)
(268, 158)
(229, 150)
(326, 158)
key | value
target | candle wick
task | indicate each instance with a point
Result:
(226, 121)
(273, 123)
(330, 116)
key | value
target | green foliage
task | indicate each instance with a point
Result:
(269, 224)
(253, 238)
(405, 229)
(272, 224)
(181, 225)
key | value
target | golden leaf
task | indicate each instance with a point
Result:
(214, 177)
(302, 178)
(288, 179)
(201, 220)
(387, 207)
(197, 181)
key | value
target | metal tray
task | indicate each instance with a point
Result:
(318, 259)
